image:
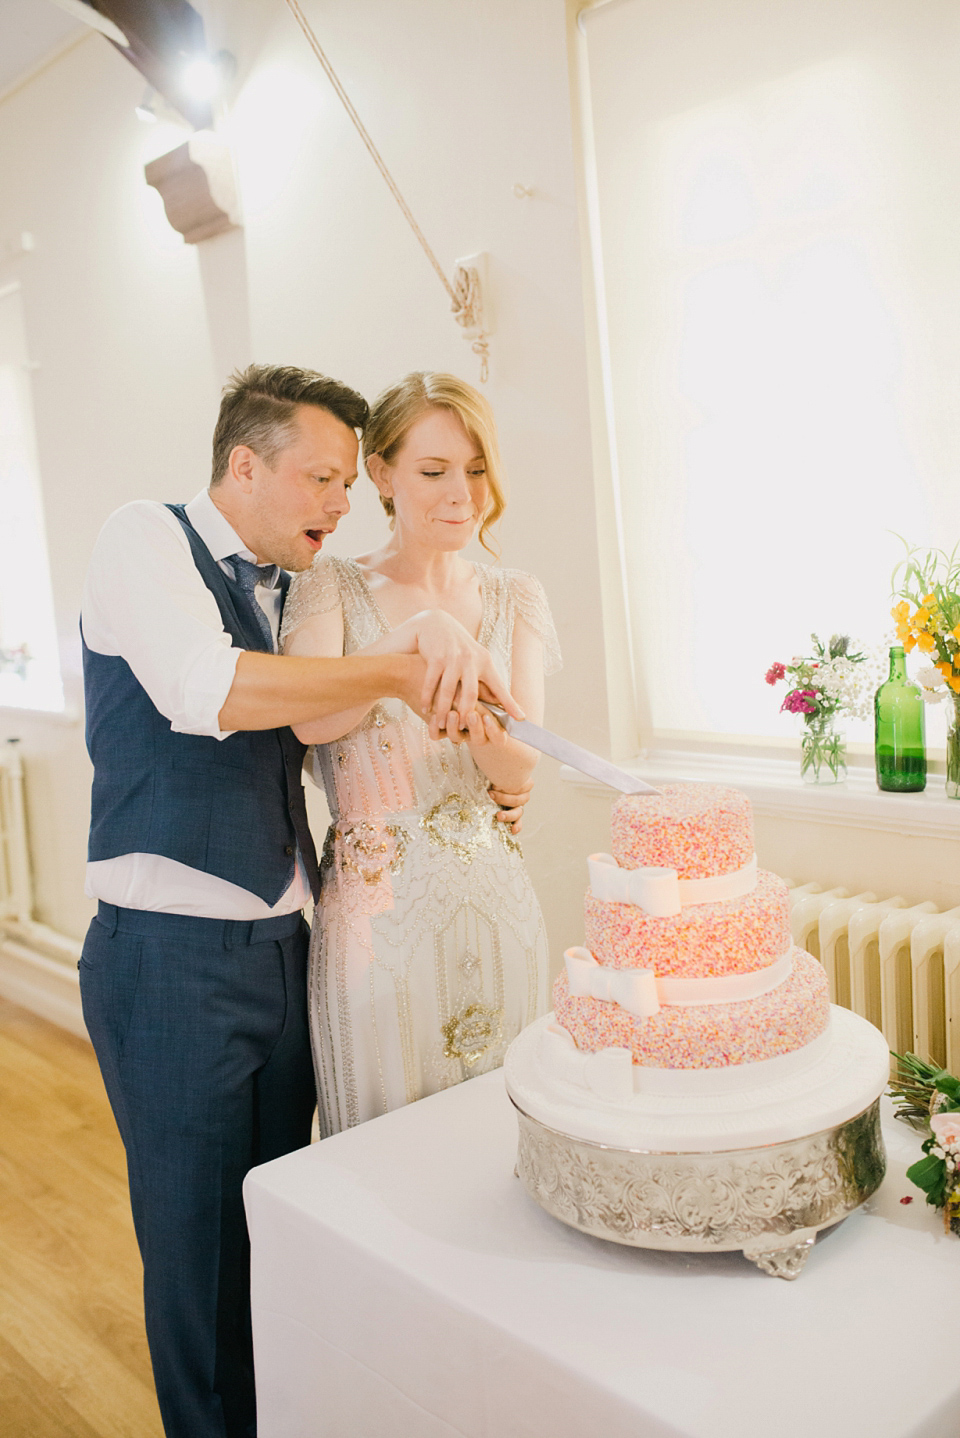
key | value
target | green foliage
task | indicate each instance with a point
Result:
(931, 571)
(930, 1174)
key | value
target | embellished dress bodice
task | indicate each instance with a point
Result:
(428, 952)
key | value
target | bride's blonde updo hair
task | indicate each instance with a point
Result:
(397, 410)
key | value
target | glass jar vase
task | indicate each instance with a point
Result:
(823, 752)
(953, 749)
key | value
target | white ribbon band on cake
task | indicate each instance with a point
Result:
(613, 1076)
(660, 892)
(642, 993)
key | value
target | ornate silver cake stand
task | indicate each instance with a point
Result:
(770, 1201)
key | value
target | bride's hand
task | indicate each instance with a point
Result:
(510, 810)
(457, 666)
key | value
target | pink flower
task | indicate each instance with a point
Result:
(946, 1130)
(800, 701)
(775, 673)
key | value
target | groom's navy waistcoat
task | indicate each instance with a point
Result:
(230, 807)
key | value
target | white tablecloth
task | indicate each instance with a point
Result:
(405, 1286)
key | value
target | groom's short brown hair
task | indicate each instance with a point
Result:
(259, 405)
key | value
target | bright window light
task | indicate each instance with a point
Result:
(29, 653)
(782, 310)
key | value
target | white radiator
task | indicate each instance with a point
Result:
(16, 897)
(896, 964)
(38, 966)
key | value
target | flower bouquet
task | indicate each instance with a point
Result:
(833, 680)
(929, 1097)
(928, 619)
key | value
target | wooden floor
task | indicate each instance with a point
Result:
(73, 1355)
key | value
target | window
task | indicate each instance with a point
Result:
(29, 654)
(776, 191)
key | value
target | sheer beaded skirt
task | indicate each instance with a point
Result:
(428, 953)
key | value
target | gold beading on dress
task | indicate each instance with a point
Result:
(472, 1033)
(460, 824)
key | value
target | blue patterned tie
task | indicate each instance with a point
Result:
(248, 577)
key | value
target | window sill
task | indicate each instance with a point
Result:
(775, 789)
(10, 714)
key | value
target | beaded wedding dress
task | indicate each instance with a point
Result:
(428, 953)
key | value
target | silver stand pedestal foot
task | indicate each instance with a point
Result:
(783, 1257)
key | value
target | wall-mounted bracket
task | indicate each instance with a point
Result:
(196, 183)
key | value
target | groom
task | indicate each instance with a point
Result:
(193, 973)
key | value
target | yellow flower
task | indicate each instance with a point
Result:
(909, 642)
(954, 682)
(926, 642)
(901, 610)
(956, 633)
(929, 599)
(945, 667)
(921, 619)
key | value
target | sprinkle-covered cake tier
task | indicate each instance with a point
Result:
(698, 829)
(729, 937)
(705, 1035)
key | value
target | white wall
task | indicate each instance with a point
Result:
(134, 331)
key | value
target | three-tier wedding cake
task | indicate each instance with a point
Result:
(694, 1088)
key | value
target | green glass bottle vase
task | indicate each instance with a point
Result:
(899, 748)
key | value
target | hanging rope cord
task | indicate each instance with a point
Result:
(463, 298)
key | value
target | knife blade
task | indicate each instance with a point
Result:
(567, 753)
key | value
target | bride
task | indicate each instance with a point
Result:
(428, 952)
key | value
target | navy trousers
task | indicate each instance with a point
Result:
(200, 1028)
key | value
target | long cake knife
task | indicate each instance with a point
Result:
(571, 754)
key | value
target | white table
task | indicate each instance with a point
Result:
(405, 1286)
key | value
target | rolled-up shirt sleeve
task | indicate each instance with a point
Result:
(144, 601)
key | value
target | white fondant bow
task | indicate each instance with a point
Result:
(642, 993)
(660, 892)
(633, 989)
(608, 1073)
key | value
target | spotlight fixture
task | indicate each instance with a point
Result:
(203, 76)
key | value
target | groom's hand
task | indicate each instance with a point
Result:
(410, 683)
(457, 666)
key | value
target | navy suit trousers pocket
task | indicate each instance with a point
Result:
(109, 977)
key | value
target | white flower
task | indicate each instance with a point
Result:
(850, 684)
(933, 686)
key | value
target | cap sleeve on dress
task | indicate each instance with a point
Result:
(529, 603)
(315, 591)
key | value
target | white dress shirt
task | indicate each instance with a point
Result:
(144, 600)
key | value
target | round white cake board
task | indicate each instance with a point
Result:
(849, 1068)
